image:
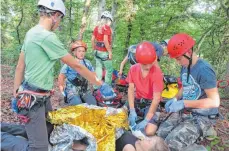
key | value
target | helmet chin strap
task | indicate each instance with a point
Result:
(53, 23)
(189, 65)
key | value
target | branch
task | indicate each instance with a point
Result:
(84, 19)
(225, 8)
(199, 43)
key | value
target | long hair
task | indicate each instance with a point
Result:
(104, 21)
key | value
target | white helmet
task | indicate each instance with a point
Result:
(107, 14)
(56, 5)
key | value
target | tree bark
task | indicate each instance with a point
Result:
(129, 29)
(70, 20)
(84, 19)
(17, 28)
(102, 6)
(113, 12)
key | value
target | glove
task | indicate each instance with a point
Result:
(174, 106)
(107, 92)
(132, 117)
(141, 125)
(14, 105)
(169, 102)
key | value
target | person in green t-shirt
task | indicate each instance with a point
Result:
(34, 76)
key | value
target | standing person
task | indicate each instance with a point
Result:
(161, 50)
(198, 96)
(145, 86)
(77, 87)
(40, 51)
(101, 43)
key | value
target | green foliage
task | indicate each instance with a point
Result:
(216, 144)
(151, 20)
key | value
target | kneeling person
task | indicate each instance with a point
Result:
(146, 80)
(77, 88)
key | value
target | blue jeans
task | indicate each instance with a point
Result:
(10, 140)
(75, 99)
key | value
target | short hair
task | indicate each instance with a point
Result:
(159, 144)
(44, 11)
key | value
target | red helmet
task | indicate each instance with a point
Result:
(145, 53)
(77, 44)
(179, 44)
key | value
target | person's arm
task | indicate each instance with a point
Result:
(19, 73)
(212, 100)
(108, 46)
(81, 69)
(131, 95)
(61, 82)
(122, 65)
(93, 42)
(179, 94)
(154, 105)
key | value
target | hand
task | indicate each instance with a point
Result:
(170, 101)
(14, 105)
(120, 73)
(15, 93)
(63, 93)
(61, 88)
(110, 55)
(141, 125)
(107, 92)
(174, 106)
(132, 117)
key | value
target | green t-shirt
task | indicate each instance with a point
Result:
(42, 48)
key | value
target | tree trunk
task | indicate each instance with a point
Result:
(129, 27)
(142, 32)
(70, 20)
(113, 12)
(17, 28)
(102, 6)
(84, 19)
(227, 78)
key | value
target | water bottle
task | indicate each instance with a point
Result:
(14, 105)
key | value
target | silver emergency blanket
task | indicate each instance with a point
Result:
(74, 124)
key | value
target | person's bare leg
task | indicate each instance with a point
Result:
(129, 147)
(150, 129)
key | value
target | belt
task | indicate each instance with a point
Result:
(213, 116)
(102, 59)
(33, 88)
(100, 44)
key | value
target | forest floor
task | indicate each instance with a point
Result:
(219, 143)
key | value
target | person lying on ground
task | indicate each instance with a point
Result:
(128, 142)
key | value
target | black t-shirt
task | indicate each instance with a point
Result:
(126, 138)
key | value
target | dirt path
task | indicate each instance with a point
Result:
(222, 126)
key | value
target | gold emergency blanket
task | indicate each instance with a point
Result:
(98, 121)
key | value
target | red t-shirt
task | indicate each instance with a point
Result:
(106, 30)
(145, 87)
